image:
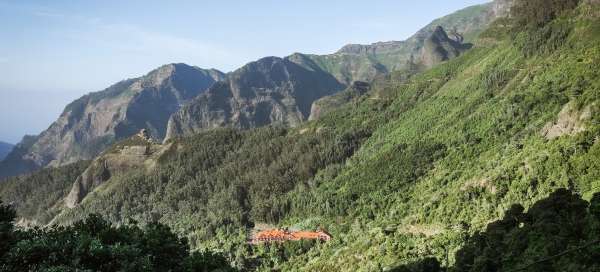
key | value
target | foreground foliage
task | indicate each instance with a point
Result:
(94, 245)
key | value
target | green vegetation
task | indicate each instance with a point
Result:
(94, 245)
(409, 176)
(537, 13)
(521, 241)
(38, 196)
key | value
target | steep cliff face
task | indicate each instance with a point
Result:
(137, 152)
(90, 124)
(269, 91)
(274, 90)
(438, 47)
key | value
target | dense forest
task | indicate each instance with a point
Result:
(94, 244)
(488, 162)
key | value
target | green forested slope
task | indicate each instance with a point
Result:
(469, 146)
(38, 196)
(413, 170)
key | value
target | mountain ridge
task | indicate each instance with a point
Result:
(94, 121)
(271, 90)
(72, 138)
(471, 165)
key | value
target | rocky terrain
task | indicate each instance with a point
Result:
(270, 90)
(93, 122)
(485, 162)
(137, 152)
(282, 91)
(358, 62)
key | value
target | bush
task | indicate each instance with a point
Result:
(538, 13)
(95, 245)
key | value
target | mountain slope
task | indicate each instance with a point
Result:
(268, 91)
(93, 122)
(425, 170)
(396, 178)
(357, 62)
(282, 91)
(5, 148)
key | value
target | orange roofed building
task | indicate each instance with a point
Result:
(278, 235)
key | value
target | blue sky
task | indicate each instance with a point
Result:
(52, 52)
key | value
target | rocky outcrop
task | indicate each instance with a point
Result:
(92, 123)
(438, 47)
(137, 152)
(501, 8)
(269, 91)
(568, 122)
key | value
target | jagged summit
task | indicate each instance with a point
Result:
(93, 122)
(270, 90)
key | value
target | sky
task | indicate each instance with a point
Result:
(52, 52)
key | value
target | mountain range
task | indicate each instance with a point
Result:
(178, 99)
(93, 122)
(478, 154)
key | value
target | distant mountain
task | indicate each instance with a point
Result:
(270, 90)
(93, 122)
(5, 148)
(358, 62)
(274, 90)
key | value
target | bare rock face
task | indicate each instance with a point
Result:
(438, 47)
(269, 91)
(501, 8)
(93, 122)
(138, 152)
(569, 122)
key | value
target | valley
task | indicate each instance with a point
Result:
(471, 146)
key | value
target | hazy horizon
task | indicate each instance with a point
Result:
(56, 52)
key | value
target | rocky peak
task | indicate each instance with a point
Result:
(144, 135)
(165, 71)
(95, 121)
(438, 47)
(439, 34)
(267, 91)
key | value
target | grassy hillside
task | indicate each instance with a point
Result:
(478, 154)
